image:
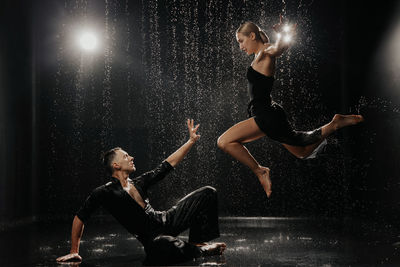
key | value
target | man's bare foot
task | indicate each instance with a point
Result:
(263, 177)
(213, 249)
(341, 121)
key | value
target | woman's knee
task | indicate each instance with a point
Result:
(222, 143)
(302, 153)
(301, 156)
(298, 152)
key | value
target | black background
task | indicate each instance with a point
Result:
(59, 110)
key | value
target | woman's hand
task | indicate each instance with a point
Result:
(192, 130)
(279, 26)
(284, 28)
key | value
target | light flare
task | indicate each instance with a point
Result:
(88, 41)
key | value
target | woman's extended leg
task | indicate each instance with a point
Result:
(339, 121)
(232, 142)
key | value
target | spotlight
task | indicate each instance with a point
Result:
(88, 41)
(287, 38)
(286, 28)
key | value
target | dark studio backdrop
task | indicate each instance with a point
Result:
(161, 62)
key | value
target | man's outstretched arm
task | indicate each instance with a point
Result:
(178, 155)
(76, 234)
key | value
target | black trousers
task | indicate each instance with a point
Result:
(197, 212)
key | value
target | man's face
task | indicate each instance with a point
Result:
(123, 162)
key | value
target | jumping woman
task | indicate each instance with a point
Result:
(268, 118)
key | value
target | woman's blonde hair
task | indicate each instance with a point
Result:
(248, 27)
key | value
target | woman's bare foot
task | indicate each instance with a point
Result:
(213, 249)
(263, 176)
(199, 244)
(341, 121)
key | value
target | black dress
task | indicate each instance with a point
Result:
(270, 116)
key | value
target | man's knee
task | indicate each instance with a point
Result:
(208, 190)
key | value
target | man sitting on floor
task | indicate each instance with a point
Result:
(127, 201)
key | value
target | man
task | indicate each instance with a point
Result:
(127, 201)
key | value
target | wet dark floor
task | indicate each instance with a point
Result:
(251, 242)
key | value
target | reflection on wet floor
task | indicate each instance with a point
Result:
(250, 241)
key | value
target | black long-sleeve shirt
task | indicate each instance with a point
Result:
(143, 223)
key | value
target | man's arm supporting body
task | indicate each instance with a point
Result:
(76, 235)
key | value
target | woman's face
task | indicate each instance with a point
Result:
(246, 43)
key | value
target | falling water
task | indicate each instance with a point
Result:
(106, 131)
(192, 67)
(129, 74)
(234, 51)
(190, 64)
(173, 69)
(54, 131)
(283, 12)
(208, 71)
(78, 108)
(187, 54)
(155, 95)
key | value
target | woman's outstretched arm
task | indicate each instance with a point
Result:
(285, 35)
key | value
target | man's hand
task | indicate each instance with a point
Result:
(192, 130)
(72, 257)
(76, 234)
(178, 155)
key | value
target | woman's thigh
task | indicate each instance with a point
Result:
(242, 132)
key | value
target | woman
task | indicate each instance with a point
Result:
(267, 118)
